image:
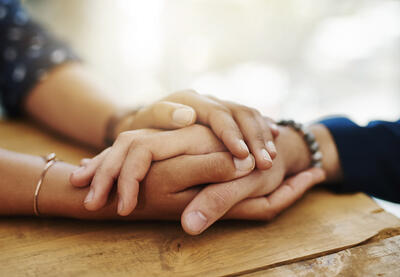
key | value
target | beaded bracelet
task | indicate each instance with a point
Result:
(313, 146)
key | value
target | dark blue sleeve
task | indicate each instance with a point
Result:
(27, 53)
(369, 156)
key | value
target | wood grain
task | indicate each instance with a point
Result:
(380, 258)
(320, 223)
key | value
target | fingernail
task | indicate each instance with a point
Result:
(273, 126)
(90, 195)
(271, 146)
(243, 146)
(183, 116)
(265, 155)
(84, 162)
(120, 205)
(79, 170)
(196, 221)
(244, 164)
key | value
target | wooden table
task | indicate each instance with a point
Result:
(323, 234)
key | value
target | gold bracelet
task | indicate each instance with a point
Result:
(50, 160)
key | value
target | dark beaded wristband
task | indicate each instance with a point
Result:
(313, 146)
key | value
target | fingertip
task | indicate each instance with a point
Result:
(271, 148)
(263, 160)
(319, 174)
(121, 207)
(243, 147)
(244, 165)
(125, 208)
(274, 129)
(194, 222)
(76, 177)
(184, 116)
(127, 202)
(89, 200)
(84, 162)
(239, 149)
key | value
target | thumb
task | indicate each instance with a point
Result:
(164, 115)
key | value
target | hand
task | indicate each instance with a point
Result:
(215, 200)
(236, 125)
(129, 159)
(164, 195)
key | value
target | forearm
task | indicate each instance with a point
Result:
(71, 102)
(20, 174)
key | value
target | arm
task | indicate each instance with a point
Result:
(40, 76)
(72, 102)
(164, 195)
(264, 194)
(369, 156)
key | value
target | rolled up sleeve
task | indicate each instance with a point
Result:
(27, 53)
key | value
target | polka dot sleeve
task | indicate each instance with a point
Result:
(27, 53)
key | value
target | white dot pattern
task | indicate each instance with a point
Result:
(19, 73)
(27, 53)
(58, 56)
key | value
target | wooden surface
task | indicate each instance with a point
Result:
(381, 258)
(320, 224)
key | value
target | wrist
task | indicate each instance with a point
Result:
(297, 156)
(294, 150)
(330, 160)
(117, 123)
(59, 198)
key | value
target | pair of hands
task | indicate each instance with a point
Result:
(194, 156)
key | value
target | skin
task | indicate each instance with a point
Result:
(220, 199)
(163, 195)
(215, 200)
(136, 150)
(57, 104)
(71, 101)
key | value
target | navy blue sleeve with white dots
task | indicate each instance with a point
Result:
(27, 53)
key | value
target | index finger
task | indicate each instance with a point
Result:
(268, 207)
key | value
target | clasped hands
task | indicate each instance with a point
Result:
(200, 159)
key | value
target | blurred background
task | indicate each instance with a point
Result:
(297, 59)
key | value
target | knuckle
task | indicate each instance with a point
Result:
(124, 137)
(200, 130)
(218, 110)
(156, 107)
(107, 171)
(219, 169)
(268, 211)
(247, 111)
(190, 91)
(218, 200)
(259, 136)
